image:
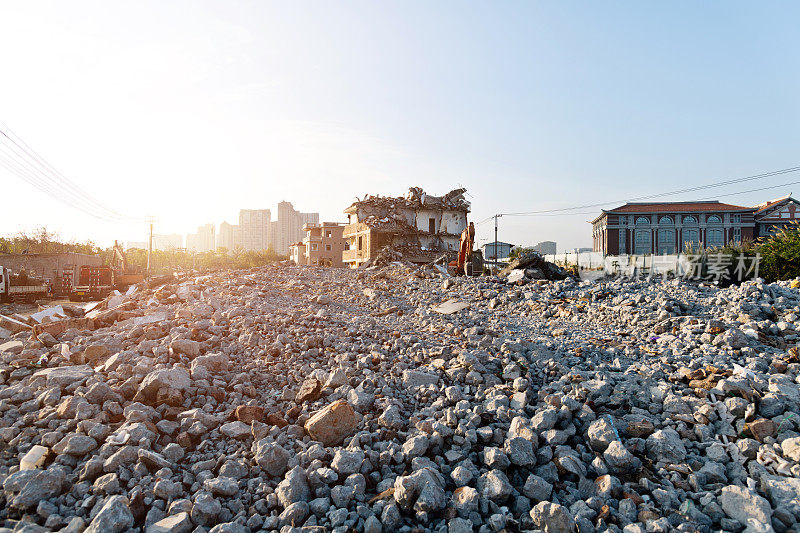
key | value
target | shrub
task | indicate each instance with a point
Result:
(780, 254)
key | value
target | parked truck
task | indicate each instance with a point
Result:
(97, 282)
(94, 283)
(21, 287)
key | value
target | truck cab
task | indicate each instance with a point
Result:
(20, 287)
(5, 284)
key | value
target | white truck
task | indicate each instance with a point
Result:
(20, 287)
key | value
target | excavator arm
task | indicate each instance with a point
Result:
(465, 264)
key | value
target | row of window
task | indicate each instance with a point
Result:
(689, 219)
(314, 247)
(666, 239)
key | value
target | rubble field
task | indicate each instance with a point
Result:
(402, 399)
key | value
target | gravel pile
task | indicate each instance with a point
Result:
(298, 398)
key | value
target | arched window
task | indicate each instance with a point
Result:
(665, 220)
(642, 241)
(690, 220)
(642, 220)
(691, 238)
(715, 237)
(666, 241)
(714, 219)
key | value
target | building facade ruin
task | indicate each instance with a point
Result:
(417, 227)
(323, 245)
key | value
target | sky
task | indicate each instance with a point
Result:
(190, 111)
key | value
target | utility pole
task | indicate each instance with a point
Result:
(150, 220)
(496, 262)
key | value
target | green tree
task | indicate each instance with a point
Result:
(515, 252)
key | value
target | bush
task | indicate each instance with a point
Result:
(780, 254)
(517, 251)
(778, 257)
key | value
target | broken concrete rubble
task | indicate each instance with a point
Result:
(557, 406)
(530, 265)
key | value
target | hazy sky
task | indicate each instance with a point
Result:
(190, 111)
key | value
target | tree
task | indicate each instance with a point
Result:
(517, 250)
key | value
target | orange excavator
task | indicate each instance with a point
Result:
(124, 276)
(469, 261)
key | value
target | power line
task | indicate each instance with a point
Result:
(560, 211)
(669, 193)
(24, 171)
(48, 180)
(699, 200)
(54, 176)
(753, 190)
(32, 168)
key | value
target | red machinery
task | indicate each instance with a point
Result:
(469, 262)
(94, 283)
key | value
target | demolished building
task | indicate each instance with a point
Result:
(322, 246)
(417, 228)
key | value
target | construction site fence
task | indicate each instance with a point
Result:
(620, 264)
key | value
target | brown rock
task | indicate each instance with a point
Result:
(248, 413)
(310, 390)
(276, 420)
(169, 397)
(332, 424)
(154, 332)
(633, 495)
(216, 393)
(761, 429)
(138, 507)
(646, 514)
(185, 440)
(294, 412)
(640, 428)
(93, 352)
(779, 366)
(68, 407)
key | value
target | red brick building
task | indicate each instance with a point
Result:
(776, 214)
(667, 227)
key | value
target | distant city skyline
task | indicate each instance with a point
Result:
(255, 231)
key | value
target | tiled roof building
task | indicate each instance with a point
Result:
(669, 227)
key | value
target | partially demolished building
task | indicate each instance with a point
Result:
(417, 228)
(322, 246)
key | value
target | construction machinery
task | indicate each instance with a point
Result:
(124, 275)
(97, 282)
(21, 287)
(469, 261)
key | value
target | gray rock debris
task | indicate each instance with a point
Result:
(633, 406)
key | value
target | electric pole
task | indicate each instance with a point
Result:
(150, 220)
(496, 262)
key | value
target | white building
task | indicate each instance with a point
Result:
(202, 241)
(229, 237)
(422, 225)
(496, 250)
(254, 228)
(546, 248)
(290, 226)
